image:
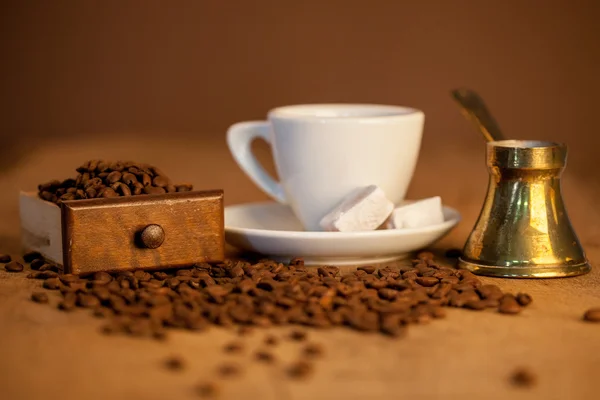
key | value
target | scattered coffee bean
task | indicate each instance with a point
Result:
(37, 263)
(66, 305)
(159, 334)
(298, 335)
(313, 350)
(271, 340)
(5, 258)
(207, 389)
(524, 299)
(509, 305)
(30, 256)
(592, 315)
(174, 363)
(265, 356)
(52, 284)
(523, 377)
(234, 347)
(229, 370)
(13, 266)
(39, 297)
(300, 370)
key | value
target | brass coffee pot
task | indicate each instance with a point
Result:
(523, 230)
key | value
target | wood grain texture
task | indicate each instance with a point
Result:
(103, 234)
(46, 354)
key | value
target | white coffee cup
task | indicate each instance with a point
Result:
(325, 151)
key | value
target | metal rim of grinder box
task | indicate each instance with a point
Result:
(153, 231)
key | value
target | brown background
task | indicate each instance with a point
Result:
(111, 76)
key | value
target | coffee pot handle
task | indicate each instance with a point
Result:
(239, 139)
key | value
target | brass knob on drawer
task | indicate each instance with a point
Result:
(152, 236)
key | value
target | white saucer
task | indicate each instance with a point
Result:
(271, 229)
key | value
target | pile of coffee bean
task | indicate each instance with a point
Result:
(269, 293)
(98, 178)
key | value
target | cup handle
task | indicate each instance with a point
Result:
(239, 139)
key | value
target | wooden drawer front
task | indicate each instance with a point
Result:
(107, 234)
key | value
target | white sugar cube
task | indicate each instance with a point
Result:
(417, 214)
(363, 210)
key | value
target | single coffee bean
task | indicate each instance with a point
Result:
(51, 284)
(489, 292)
(367, 268)
(5, 258)
(66, 305)
(183, 187)
(30, 256)
(388, 294)
(49, 267)
(67, 278)
(313, 350)
(39, 297)
(234, 347)
(160, 181)
(128, 178)
(264, 356)
(13, 266)
(123, 189)
(207, 389)
(109, 192)
(271, 340)
(298, 335)
(300, 370)
(229, 370)
(113, 177)
(523, 377)
(37, 264)
(87, 301)
(509, 305)
(174, 363)
(102, 277)
(153, 190)
(427, 281)
(592, 315)
(524, 299)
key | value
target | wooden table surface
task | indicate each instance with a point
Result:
(48, 354)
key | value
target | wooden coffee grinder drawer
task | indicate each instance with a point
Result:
(125, 233)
